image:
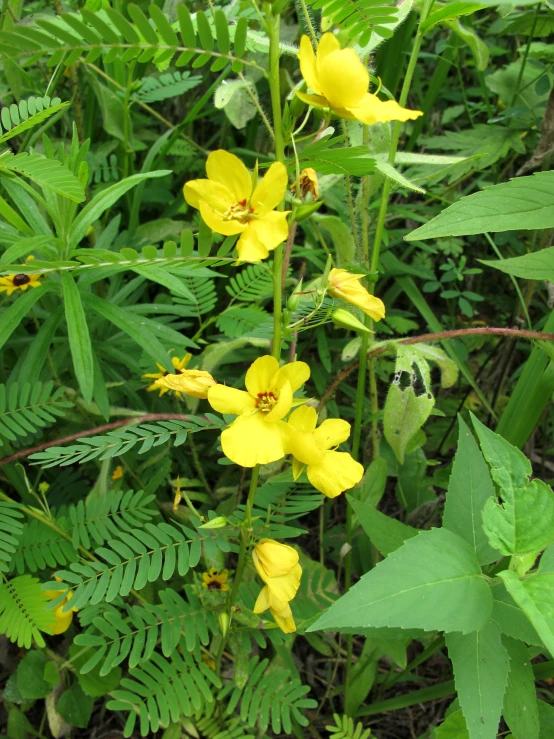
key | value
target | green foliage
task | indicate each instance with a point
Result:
(117, 443)
(345, 728)
(359, 18)
(252, 283)
(22, 611)
(27, 409)
(45, 172)
(16, 119)
(166, 86)
(11, 530)
(134, 638)
(269, 697)
(163, 690)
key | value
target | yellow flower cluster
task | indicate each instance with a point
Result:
(277, 564)
(260, 435)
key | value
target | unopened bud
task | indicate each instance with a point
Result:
(294, 300)
(219, 522)
(224, 622)
(345, 319)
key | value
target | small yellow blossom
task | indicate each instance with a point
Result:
(347, 287)
(228, 205)
(187, 382)
(178, 365)
(11, 283)
(308, 183)
(278, 566)
(214, 580)
(329, 471)
(258, 435)
(340, 82)
(208, 661)
(117, 474)
(62, 619)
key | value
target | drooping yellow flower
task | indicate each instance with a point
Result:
(178, 365)
(62, 620)
(11, 283)
(258, 435)
(117, 474)
(347, 287)
(329, 471)
(187, 382)
(214, 580)
(228, 205)
(278, 566)
(340, 83)
(280, 610)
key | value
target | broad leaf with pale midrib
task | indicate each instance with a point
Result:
(420, 585)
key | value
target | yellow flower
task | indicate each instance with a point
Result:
(340, 82)
(189, 382)
(117, 474)
(62, 620)
(228, 205)
(258, 435)
(11, 283)
(280, 610)
(329, 471)
(214, 580)
(308, 183)
(347, 287)
(178, 365)
(277, 565)
(208, 661)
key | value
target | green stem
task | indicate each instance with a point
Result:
(525, 55)
(273, 29)
(245, 536)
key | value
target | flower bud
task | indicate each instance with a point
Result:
(345, 319)
(294, 300)
(219, 522)
(223, 619)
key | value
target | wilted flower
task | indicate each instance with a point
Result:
(346, 286)
(228, 205)
(117, 473)
(178, 365)
(308, 183)
(258, 434)
(187, 382)
(340, 82)
(329, 471)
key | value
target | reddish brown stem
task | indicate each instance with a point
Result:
(288, 252)
(93, 432)
(515, 332)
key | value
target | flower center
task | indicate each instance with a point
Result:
(266, 401)
(19, 280)
(214, 585)
(241, 212)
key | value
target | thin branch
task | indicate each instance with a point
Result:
(94, 432)
(487, 331)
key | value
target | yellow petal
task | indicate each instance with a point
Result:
(225, 399)
(228, 170)
(250, 440)
(317, 101)
(216, 222)
(250, 248)
(191, 382)
(273, 559)
(347, 287)
(285, 623)
(270, 190)
(337, 472)
(262, 602)
(218, 197)
(304, 419)
(285, 587)
(371, 110)
(206, 577)
(303, 446)
(332, 432)
(260, 375)
(62, 622)
(308, 64)
(344, 79)
(283, 405)
(270, 229)
(328, 43)
(297, 468)
(296, 373)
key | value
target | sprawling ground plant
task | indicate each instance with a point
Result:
(276, 328)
